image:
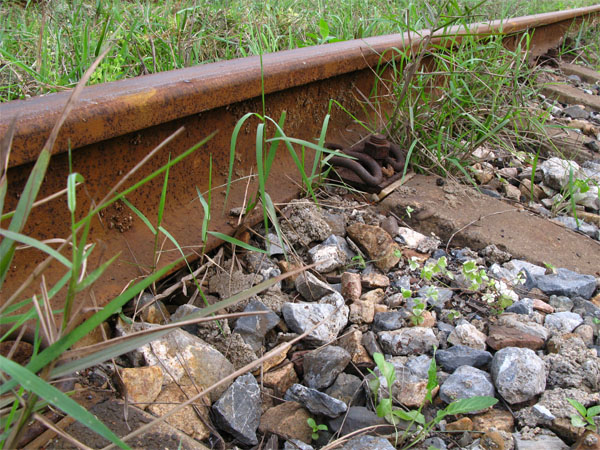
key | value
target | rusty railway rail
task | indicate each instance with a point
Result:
(114, 125)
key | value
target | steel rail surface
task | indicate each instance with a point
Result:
(114, 125)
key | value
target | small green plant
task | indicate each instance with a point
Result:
(476, 275)
(585, 416)
(417, 312)
(315, 428)
(358, 261)
(385, 405)
(434, 268)
(550, 268)
(409, 210)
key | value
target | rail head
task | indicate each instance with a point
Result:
(113, 109)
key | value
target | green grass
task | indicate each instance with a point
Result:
(47, 46)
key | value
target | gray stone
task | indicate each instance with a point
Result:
(415, 240)
(435, 442)
(274, 246)
(467, 334)
(543, 413)
(408, 341)
(390, 320)
(557, 172)
(518, 373)
(369, 341)
(305, 223)
(586, 228)
(466, 382)
(327, 257)
(296, 444)
(561, 303)
(585, 308)
(316, 402)
(461, 355)
(322, 366)
(357, 418)
(563, 322)
(348, 389)
(341, 243)
(538, 442)
(564, 282)
(238, 410)
(576, 112)
(524, 324)
(524, 306)
(368, 443)
(574, 365)
(301, 317)
(254, 328)
(553, 404)
(495, 255)
(311, 288)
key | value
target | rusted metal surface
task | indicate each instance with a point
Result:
(374, 164)
(115, 125)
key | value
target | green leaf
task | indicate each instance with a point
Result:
(432, 380)
(323, 28)
(593, 411)
(33, 383)
(23, 239)
(577, 421)
(384, 408)
(410, 416)
(72, 181)
(578, 406)
(467, 405)
(234, 241)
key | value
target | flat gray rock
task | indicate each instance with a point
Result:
(301, 317)
(562, 322)
(368, 443)
(563, 282)
(321, 367)
(461, 355)
(238, 410)
(408, 341)
(316, 402)
(466, 382)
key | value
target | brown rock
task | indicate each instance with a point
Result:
(596, 300)
(494, 418)
(542, 306)
(412, 394)
(286, 267)
(362, 312)
(273, 361)
(141, 384)
(375, 280)
(351, 286)
(567, 432)
(351, 341)
(156, 313)
(380, 308)
(511, 192)
(375, 296)
(500, 337)
(586, 333)
(493, 440)
(187, 419)
(464, 424)
(588, 441)
(287, 420)
(525, 188)
(377, 244)
(281, 379)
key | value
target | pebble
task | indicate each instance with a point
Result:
(563, 322)
(408, 341)
(311, 288)
(322, 366)
(357, 418)
(238, 410)
(368, 442)
(466, 382)
(462, 355)
(467, 334)
(377, 244)
(518, 373)
(254, 328)
(316, 402)
(301, 317)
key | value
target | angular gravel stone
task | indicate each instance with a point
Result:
(557, 171)
(461, 355)
(524, 306)
(351, 286)
(311, 288)
(295, 444)
(316, 402)
(500, 337)
(467, 334)
(238, 410)
(391, 320)
(408, 341)
(327, 257)
(518, 374)
(564, 282)
(359, 417)
(368, 443)
(301, 317)
(322, 366)
(539, 441)
(377, 244)
(348, 389)
(254, 328)
(563, 322)
(466, 382)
